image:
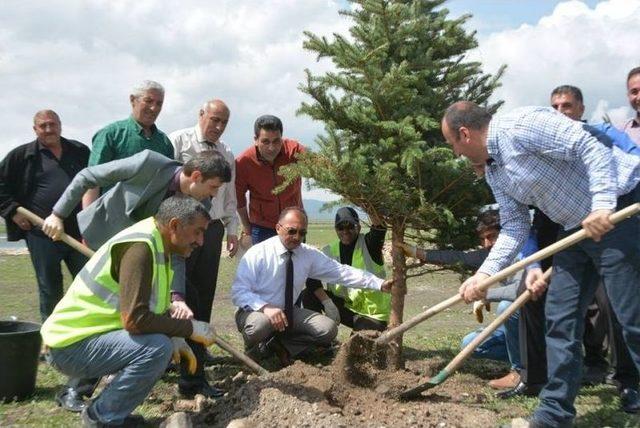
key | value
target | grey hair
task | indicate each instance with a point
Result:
(46, 112)
(184, 208)
(147, 85)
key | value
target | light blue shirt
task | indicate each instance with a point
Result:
(542, 158)
(261, 274)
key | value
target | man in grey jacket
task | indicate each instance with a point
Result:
(140, 183)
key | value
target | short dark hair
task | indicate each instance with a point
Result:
(568, 89)
(287, 210)
(210, 165)
(182, 207)
(466, 114)
(489, 219)
(268, 123)
(633, 72)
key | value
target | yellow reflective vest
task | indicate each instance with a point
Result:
(371, 303)
(92, 303)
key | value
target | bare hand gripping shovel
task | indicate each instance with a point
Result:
(505, 273)
(574, 238)
(36, 220)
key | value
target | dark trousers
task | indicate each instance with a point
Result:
(347, 317)
(46, 257)
(617, 260)
(201, 278)
(260, 233)
(601, 329)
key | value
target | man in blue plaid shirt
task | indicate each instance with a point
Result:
(536, 156)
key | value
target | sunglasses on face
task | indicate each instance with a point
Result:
(291, 231)
(345, 226)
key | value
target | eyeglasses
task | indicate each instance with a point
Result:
(345, 226)
(291, 231)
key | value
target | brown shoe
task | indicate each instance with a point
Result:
(509, 381)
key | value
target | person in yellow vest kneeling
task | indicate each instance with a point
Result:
(114, 317)
(360, 309)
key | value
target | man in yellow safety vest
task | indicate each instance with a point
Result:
(114, 317)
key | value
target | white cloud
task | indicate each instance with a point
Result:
(592, 48)
(82, 57)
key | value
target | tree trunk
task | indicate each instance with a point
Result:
(398, 292)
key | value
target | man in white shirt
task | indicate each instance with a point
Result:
(269, 280)
(202, 266)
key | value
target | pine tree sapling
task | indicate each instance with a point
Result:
(401, 65)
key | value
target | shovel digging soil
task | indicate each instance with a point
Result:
(366, 349)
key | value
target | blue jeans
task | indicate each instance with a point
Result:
(259, 233)
(502, 344)
(46, 257)
(138, 360)
(616, 259)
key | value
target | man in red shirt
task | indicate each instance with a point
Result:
(257, 172)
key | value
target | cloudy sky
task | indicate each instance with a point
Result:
(81, 58)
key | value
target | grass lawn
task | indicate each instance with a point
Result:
(438, 337)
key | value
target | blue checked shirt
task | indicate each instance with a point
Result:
(542, 158)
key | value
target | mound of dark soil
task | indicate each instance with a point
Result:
(347, 393)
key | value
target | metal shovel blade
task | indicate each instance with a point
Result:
(418, 390)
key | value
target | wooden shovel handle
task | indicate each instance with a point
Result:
(505, 273)
(240, 356)
(500, 319)
(70, 241)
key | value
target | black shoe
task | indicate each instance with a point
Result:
(594, 375)
(70, 399)
(89, 420)
(630, 400)
(200, 387)
(521, 390)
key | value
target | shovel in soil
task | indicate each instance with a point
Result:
(505, 273)
(83, 249)
(468, 350)
(444, 374)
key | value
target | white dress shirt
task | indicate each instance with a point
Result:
(187, 143)
(261, 275)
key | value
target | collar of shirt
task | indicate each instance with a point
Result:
(174, 185)
(280, 248)
(139, 129)
(204, 141)
(493, 150)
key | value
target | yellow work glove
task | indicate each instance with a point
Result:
(478, 306)
(182, 350)
(203, 332)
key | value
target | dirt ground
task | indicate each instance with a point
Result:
(330, 396)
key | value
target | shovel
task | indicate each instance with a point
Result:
(89, 253)
(468, 350)
(578, 236)
(521, 300)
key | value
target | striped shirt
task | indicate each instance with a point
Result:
(542, 158)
